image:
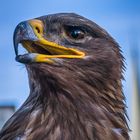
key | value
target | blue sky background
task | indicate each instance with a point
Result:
(121, 18)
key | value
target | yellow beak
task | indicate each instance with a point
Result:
(32, 39)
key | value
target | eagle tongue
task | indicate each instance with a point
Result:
(40, 50)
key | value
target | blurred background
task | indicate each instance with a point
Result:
(121, 18)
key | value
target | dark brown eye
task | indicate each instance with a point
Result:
(75, 33)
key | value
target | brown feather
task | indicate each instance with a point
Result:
(75, 99)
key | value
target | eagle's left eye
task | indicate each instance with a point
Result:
(75, 33)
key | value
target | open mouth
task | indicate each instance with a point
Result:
(43, 51)
(39, 49)
(33, 47)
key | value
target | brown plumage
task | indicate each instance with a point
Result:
(70, 98)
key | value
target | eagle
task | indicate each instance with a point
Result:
(75, 69)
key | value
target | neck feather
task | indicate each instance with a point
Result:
(85, 98)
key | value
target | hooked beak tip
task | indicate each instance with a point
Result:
(23, 32)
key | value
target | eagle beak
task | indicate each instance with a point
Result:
(31, 35)
(22, 32)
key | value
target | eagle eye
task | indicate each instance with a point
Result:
(75, 33)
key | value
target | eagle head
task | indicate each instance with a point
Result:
(69, 48)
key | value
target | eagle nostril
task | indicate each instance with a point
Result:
(37, 29)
